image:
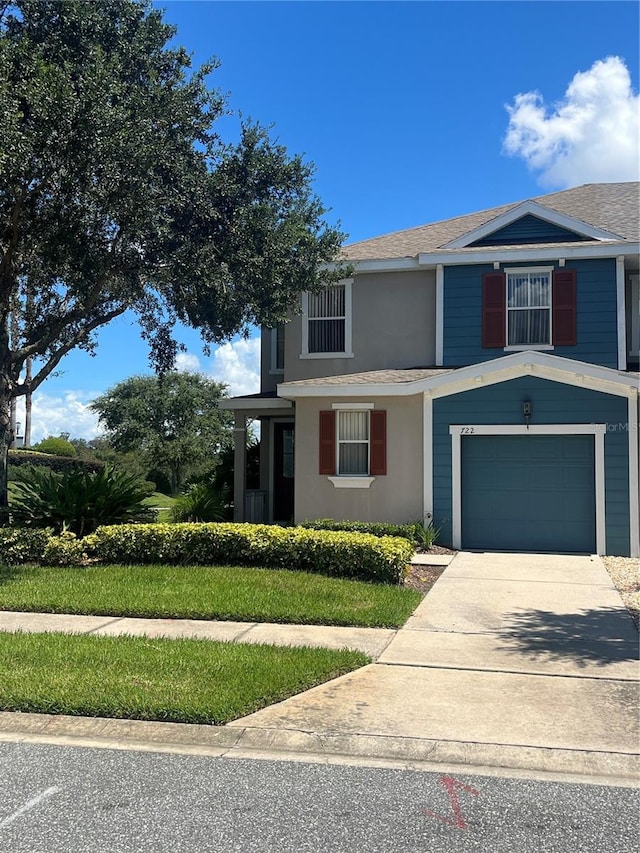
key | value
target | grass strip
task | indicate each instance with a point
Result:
(184, 681)
(205, 592)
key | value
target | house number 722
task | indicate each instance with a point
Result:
(467, 431)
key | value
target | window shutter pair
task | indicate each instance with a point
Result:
(377, 443)
(563, 302)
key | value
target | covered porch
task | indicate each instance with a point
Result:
(273, 501)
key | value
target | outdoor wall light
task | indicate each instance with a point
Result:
(527, 408)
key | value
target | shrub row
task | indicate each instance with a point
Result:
(415, 531)
(351, 555)
(56, 463)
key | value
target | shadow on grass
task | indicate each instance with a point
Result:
(9, 573)
(600, 636)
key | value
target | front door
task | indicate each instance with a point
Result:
(283, 471)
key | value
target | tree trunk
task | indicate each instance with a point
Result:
(6, 437)
(27, 405)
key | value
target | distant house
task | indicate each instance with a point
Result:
(480, 372)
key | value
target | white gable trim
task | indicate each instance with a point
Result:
(541, 364)
(537, 210)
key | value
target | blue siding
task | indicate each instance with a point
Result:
(597, 314)
(529, 229)
(553, 403)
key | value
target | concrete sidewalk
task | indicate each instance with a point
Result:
(372, 641)
(526, 662)
(513, 664)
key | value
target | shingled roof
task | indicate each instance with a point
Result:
(611, 207)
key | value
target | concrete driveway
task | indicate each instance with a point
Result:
(513, 661)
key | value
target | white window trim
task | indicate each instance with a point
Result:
(274, 370)
(352, 407)
(634, 343)
(597, 430)
(350, 482)
(348, 313)
(527, 347)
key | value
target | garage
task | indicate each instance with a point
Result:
(528, 492)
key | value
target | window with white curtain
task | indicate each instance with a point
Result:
(326, 322)
(528, 307)
(353, 443)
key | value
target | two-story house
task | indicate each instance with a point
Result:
(479, 372)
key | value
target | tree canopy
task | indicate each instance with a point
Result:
(116, 193)
(173, 420)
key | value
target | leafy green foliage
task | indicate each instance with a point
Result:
(174, 420)
(22, 546)
(117, 192)
(421, 535)
(201, 502)
(31, 458)
(56, 446)
(353, 555)
(79, 501)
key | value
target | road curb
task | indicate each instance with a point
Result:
(237, 741)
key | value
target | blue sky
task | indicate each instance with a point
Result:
(404, 108)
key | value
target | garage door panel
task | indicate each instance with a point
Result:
(528, 492)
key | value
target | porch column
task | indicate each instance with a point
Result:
(239, 465)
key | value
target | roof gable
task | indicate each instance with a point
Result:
(537, 219)
(612, 209)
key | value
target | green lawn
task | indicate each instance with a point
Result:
(189, 681)
(209, 592)
(163, 504)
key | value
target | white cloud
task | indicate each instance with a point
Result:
(238, 364)
(591, 135)
(188, 362)
(69, 412)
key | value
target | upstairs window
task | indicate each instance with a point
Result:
(326, 322)
(529, 308)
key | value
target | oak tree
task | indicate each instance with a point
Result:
(116, 193)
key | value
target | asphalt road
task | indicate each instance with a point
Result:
(61, 799)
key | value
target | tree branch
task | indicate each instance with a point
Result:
(55, 359)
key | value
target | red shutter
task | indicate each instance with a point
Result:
(378, 443)
(494, 308)
(564, 308)
(327, 443)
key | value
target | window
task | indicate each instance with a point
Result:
(326, 322)
(277, 349)
(528, 307)
(353, 441)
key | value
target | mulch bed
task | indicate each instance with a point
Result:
(422, 578)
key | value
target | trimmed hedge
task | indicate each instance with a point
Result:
(18, 545)
(347, 555)
(56, 463)
(375, 528)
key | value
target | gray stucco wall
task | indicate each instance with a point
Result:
(393, 325)
(396, 497)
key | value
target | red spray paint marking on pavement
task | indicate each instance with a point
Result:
(451, 784)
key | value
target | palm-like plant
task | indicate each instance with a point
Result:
(78, 501)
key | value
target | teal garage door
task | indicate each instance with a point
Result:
(528, 493)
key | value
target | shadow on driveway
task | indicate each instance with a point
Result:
(600, 636)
